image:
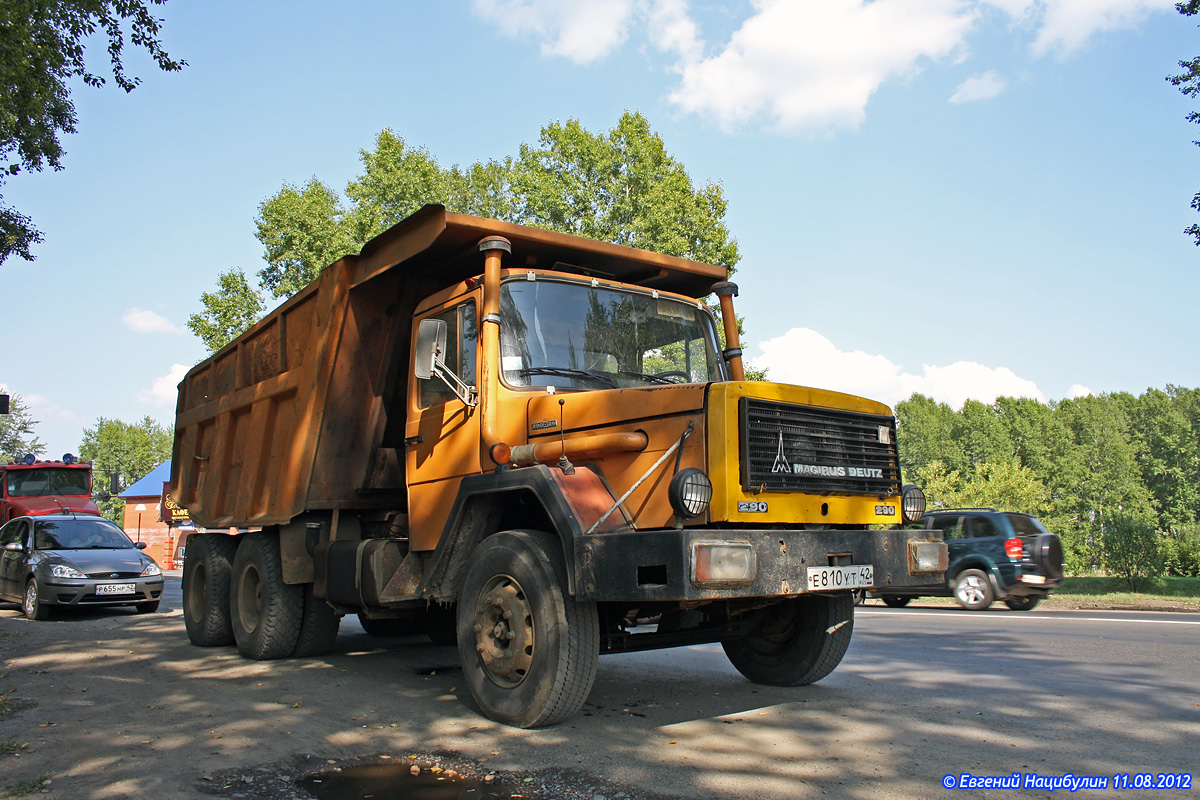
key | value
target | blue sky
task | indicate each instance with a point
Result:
(965, 198)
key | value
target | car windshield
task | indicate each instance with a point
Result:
(79, 534)
(1025, 525)
(39, 482)
(576, 336)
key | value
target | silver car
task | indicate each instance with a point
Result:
(74, 560)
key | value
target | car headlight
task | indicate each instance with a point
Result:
(723, 563)
(65, 571)
(151, 570)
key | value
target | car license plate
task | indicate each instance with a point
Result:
(855, 576)
(114, 588)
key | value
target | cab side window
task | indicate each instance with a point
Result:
(462, 336)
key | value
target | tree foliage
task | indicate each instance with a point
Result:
(41, 51)
(17, 437)
(1188, 82)
(231, 309)
(1077, 464)
(129, 450)
(1131, 548)
(620, 186)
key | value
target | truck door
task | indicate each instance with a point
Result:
(442, 432)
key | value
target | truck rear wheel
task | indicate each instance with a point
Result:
(529, 651)
(318, 627)
(798, 641)
(206, 573)
(266, 612)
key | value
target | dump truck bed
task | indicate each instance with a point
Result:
(305, 411)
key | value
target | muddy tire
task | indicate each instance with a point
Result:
(529, 651)
(266, 613)
(798, 641)
(206, 574)
(31, 602)
(318, 627)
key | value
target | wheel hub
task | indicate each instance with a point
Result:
(503, 628)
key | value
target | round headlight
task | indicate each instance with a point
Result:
(912, 502)
(690, 492)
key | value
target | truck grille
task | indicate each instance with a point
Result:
(791, 448)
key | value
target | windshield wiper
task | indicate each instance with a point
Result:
(567, 372)
(654, 378)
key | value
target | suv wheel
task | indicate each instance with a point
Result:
(893, 601)
(1025, 603)
(973, 590)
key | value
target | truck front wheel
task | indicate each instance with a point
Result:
(266, 613)
(206, 573)
(797, 642)
(529, 651)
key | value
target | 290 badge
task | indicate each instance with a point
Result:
(885, 511)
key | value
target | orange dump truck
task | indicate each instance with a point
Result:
(532, 444)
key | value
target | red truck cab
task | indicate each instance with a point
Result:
(30, 488)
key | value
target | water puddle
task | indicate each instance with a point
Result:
(397, 782)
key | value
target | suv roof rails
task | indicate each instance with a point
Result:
(965, 508)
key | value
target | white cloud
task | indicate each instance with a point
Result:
(979, 87)
(805, 357)
(46, 410)
(140, 321)
(1078, 390)
(1066, 25)
(164, 391)
(579, 30)
(808, 64)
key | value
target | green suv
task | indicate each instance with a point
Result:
(994, 555)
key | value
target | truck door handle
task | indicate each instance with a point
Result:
(411, 440)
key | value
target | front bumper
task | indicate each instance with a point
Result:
(84, 591)
(653, 566)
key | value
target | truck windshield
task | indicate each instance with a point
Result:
(576, 336)
(38, 482)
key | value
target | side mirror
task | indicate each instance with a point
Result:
(140, 545)
(431, 343)
(14, 547)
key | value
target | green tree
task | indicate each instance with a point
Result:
(621, 186)
(41, 51)
(1131, 548)
(925, 433)
(228, 311)
(16, 430)
(1003, 485)
(1188, 82)
(1169, 456)
(1181, 551)
(128, 450)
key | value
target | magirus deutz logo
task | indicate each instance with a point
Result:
(782, 464)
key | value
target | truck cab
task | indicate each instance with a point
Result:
(31, 487)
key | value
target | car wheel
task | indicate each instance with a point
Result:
(894, 601)
(798, 642)
(529, 650)
(148, 608)
(1025, 603)
(973, 590)
(387, 627)
(318, 627)
(265, 612)
(32, 604)
(207, 571)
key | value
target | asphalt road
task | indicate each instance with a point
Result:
(115, 704)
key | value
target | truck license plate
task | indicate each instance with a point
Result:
(855, 576)
(114, 588)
